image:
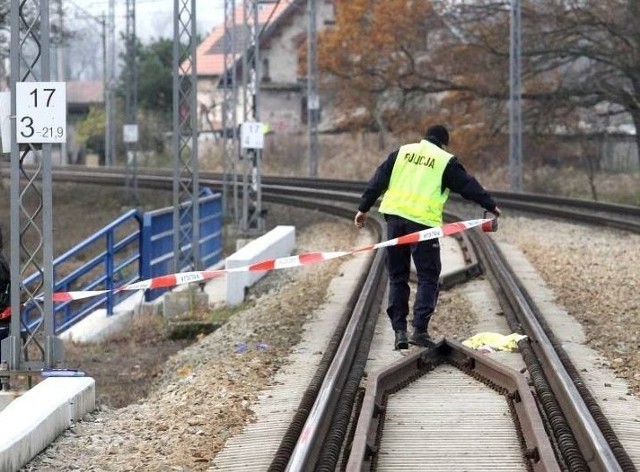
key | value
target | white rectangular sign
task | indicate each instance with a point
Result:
(41, 112)
(251, 135)
(5, 122)
(314, 102)
(130, 133)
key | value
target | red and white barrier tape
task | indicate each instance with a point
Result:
(181, 278)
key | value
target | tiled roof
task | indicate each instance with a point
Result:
(85, 92)
(210, 53)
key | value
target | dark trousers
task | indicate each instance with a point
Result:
(5, 330)
(426, 258)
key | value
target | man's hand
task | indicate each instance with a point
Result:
(360, 219)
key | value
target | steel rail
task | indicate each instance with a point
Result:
(617, 208)
(305, 454)
(576, 215)
(517, 204)
(594, 446)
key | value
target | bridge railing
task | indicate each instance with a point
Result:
(136, 246)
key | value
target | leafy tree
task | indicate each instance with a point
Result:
(581, 59)
(154, 62)
(155, 77)
(90, 131)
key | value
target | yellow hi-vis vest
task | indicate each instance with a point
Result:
(415, 188)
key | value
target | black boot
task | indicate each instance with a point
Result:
(421, 338)
(401, 340)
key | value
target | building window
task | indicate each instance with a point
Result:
(266, 77)
(303, 110)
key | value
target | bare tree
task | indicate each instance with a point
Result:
(391, 63)
(577, 54)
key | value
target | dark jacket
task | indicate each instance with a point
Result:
(5, 279)
(5, 282)
(455, 178)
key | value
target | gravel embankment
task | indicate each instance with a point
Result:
(595, 275)
(206, 391)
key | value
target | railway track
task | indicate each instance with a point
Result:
(354, 413)
(624, 217)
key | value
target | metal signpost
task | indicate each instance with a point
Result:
(252, 217)
(38, 112)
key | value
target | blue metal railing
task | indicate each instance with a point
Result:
(136, 246)
(157, 241)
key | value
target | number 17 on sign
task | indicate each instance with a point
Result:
(41, 112)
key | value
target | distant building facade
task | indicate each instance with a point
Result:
(81, 96)
(283, 89)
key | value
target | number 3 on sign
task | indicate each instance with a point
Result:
(41, 112)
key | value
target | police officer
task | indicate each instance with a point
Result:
(416, 180)
(5, 294)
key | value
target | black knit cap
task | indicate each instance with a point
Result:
(438, 133)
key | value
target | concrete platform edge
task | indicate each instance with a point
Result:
(35, 419)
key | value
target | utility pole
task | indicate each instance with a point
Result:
(186, 186)
(515, 99)
(229, 87)
(130, 130)
(313, 101)
(252, 217)
(110, 95)
(105, 82)
(32, 344)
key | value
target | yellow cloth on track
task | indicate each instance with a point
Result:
(499, 342)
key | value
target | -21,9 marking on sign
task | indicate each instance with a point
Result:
(41, 112)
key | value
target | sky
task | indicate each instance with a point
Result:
(154, 18)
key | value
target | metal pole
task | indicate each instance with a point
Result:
(229, 113)
(50, 357)
(515, 104)
(257, 221)
(60, 70)
(105, 82)
(313, 101)
(131, 104)
(186, 219)
(110, 104)
(252, 219)
(31, 207)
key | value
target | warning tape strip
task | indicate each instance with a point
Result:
(172, 280)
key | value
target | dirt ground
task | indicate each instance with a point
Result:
(125, 365)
